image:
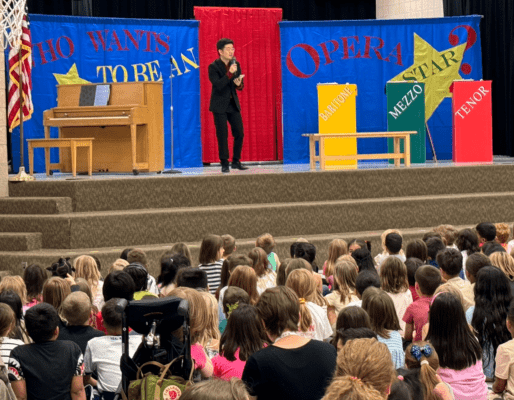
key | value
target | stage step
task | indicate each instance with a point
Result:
(35, 205)
(147, 227)
(107, 256)
(20, 241)
(171, 191)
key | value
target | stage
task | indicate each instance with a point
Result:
(63, 216)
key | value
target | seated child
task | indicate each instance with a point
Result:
(139, 275)
(450, 263)
(47, 368)
(428, 279)
(7, 323)
(243, 336)
(504, 373)
(474, 263)
(194, 278)
(76, 308)
(229, 246)
(486, 232)
(392, 244)
(234, 297)
(267, 243)
(138, 256)
(345, 275)
(103, 354)
(434, 246)
(364, 280)
(502, 233)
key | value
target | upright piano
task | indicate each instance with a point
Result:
(128, 132)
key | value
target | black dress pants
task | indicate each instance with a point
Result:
(233, 117)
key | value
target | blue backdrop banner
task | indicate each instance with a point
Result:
(369, 54)
(96, 50)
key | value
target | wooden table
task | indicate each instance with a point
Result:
(396, 155)
(72, 144)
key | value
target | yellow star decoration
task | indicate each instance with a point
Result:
(436, 69)
(71, 77)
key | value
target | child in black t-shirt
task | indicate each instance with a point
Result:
(46, 369)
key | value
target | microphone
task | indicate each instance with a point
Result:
(233, 61)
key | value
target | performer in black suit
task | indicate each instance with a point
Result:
(225, 76)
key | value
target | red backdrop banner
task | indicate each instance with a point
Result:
(256, 37)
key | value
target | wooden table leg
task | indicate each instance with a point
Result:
(312, 151)
(74, 158)
(407, 150)
(133, 130)
(47, 160)
(322, 153)
(90, 159)
(396, 141)
(31, 159)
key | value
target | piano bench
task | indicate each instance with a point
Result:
(72, 144)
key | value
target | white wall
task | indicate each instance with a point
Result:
(403, 9)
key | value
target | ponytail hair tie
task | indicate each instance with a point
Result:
(355, 379)
(400, 377)
(425, 362)
(301, 300)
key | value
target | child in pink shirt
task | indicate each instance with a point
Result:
(243, 336)
(428, 278)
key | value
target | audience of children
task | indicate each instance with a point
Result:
(260, 324)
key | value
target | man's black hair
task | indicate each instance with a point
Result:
(492, 247)
(486, 230)
(220, 45)
(194, 278)
(118, 284)
(41, 321)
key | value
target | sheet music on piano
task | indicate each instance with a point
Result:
(94, 95)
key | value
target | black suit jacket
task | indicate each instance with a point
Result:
(223, 87)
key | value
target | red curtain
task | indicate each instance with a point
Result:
(256, 37)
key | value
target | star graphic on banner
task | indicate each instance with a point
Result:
(437, 69)
(71, 77)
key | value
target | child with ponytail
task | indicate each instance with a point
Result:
(364, 372)
(422, 361)
(336, 249)
(314, 322)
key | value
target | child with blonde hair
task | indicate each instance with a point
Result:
(394, 281)
(345, 275)
(314, 322)
(336, 249)
(364, 372)
(86, 268)
(211, 334)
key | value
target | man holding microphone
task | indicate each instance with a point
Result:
(225, 76)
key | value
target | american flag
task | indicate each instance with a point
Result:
(14, 78)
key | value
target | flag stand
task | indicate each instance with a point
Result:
(21, 176)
